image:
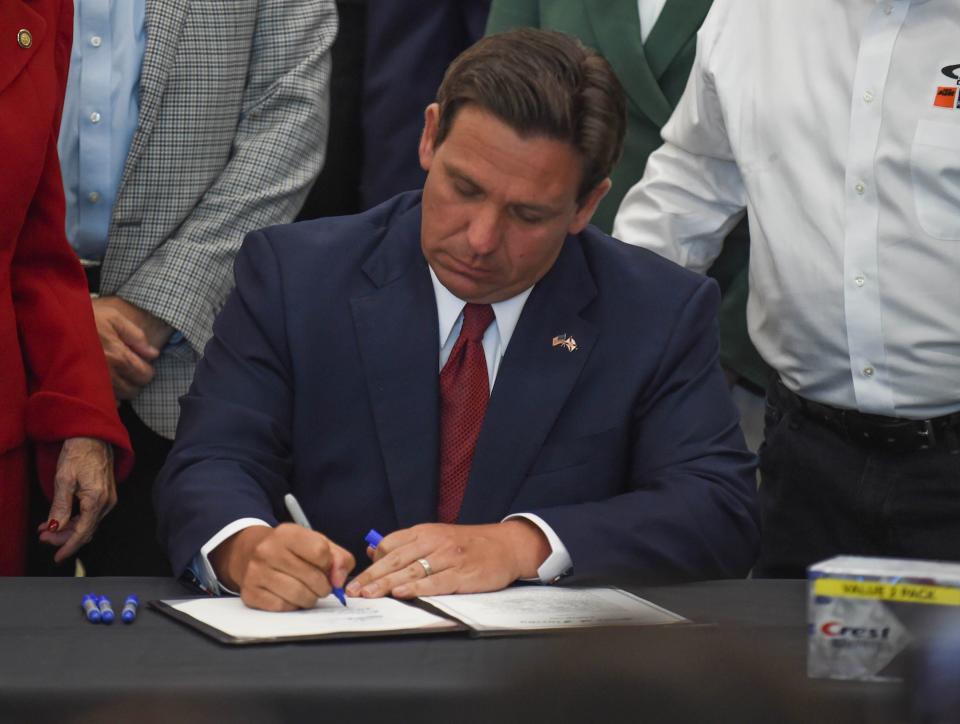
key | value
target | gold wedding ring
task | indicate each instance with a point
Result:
(425, 566)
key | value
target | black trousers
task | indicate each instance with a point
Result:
(125, 543)
(822, 495)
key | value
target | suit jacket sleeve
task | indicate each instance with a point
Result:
(277, 152)
(690, 511)
(68, 384)
(233, 453)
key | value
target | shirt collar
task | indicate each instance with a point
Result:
(450, 307)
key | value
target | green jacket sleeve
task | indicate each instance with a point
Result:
(508, 14)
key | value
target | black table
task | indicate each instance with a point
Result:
(747, 665)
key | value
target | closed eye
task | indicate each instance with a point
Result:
(466, 190)
(529, 216)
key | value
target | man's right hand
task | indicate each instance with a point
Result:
(281, 569)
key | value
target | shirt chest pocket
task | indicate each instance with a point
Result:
(935, 171)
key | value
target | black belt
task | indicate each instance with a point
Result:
(877, 431)
(91, 268)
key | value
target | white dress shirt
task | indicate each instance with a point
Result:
(495, 342)
(649, 13)
(821, 118)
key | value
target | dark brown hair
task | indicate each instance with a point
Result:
(542, 83)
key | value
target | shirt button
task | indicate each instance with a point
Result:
(868, 371)
(868, 96)
(860, 188)
(859, 281)
(94, 117)
(95, 41)
(93, 197)
(887, 9)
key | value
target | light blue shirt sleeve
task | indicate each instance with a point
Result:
(100, 115)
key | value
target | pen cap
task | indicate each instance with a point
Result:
(106, 610)
(129, 612)
(89, 606)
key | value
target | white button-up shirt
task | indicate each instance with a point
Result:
(835, 123)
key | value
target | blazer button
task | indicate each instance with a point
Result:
(24, 38)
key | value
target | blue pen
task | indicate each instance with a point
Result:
(373, 538)
(106, 610)
(129, 612)
(89, 604)
(300, 518)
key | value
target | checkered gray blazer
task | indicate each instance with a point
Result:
(232, 130)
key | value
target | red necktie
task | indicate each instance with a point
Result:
(464, 391)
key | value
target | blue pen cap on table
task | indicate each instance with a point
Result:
(130, 606)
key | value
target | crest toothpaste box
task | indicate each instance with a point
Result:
(864, 613)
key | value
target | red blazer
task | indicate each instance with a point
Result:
(53, 377)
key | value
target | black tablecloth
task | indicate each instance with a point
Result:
(749, 666)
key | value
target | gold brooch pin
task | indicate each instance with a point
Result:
(24, 38)
(565, 340)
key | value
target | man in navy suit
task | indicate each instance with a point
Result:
(585, 415)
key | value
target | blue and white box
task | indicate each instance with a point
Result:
(865, 613)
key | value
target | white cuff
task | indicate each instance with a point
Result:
(558, 563)
(208, 578)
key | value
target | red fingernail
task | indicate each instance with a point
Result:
(53, 525)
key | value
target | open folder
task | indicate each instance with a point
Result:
(513, 610)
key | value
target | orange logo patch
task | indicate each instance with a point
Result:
(946, 97)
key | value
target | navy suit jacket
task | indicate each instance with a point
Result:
(322, 380)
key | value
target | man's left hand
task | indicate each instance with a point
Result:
(156, 331)
(84, 473)
(461, 559)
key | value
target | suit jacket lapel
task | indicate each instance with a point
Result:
(398, 334)
(616, 27)
(534, 381)
(15, 15)
(163, 20)
(678, 22)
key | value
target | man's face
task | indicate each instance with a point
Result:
(497, 207)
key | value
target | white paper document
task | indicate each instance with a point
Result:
(361, 615)
(524, 608)
(545, 607)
